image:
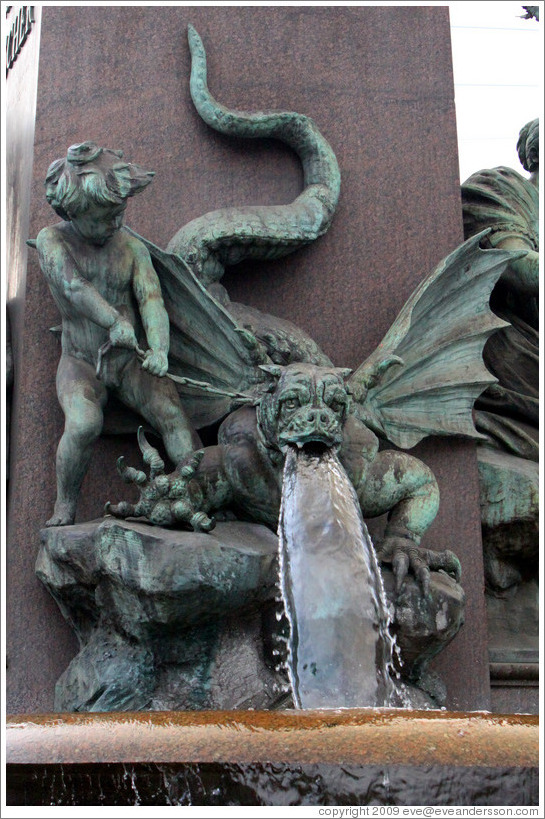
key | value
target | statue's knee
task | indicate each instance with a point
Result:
(85, 425)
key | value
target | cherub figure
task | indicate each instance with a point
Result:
(108, 293)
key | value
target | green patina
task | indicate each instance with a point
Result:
(422, 379)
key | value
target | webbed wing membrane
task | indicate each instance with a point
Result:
(439, 335)
(422, 379)
(206, 344)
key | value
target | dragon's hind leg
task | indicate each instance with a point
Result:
(405, 488)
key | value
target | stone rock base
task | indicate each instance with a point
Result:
(176, 620)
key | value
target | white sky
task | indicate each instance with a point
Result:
(498, 78)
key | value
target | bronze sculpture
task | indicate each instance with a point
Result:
(506, 203)
(107, 291)
(422, 379)
(430, 359)
(306, 407)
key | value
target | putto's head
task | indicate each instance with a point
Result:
(91, 177)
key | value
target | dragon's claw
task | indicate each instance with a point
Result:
(189, 468)
(165, 500)
(150, 455)
(202, 523)
(119, 510)
(447, 562)
(405, 555)
(129, 474)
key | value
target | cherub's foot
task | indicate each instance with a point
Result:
(64, 514)
(404, 554)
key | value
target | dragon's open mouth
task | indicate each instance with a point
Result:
(315, 447)
(312, 445)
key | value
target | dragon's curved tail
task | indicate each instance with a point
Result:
(227, 236)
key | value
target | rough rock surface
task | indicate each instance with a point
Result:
(173, 620)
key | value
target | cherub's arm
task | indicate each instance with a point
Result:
(147, 290)
(75, 293)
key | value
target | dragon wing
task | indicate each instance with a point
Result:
(206, 344)
(427, 372)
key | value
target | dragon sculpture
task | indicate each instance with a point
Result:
(276, 389)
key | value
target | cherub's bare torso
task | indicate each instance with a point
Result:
(109, 269)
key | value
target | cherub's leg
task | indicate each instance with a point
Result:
(82, 398)
(406, 488)
(156, 399)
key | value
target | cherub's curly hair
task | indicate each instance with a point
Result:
(90, 174)
(528, 146)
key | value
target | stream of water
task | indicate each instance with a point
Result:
(339, 648)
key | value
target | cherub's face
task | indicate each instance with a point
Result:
(99, 222)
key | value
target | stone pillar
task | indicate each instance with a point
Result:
(378, 82)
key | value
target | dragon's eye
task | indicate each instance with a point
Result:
(337, 405)
(291, 403)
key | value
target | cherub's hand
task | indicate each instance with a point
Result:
(155, 362)
(122, 334)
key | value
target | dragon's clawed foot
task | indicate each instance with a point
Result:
(404, 555)
(165, 500)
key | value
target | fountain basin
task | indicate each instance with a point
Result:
(326, 757)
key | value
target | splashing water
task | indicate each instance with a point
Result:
(340, 647)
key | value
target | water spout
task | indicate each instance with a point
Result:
(340, 648)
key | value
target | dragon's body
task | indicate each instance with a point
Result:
(421, 380)
(307, 408)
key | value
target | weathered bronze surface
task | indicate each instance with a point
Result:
(204, 170)
(168, 619)
(108, 294)
(108, 283)
(506, 203)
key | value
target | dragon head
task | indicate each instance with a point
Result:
(305, 406)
